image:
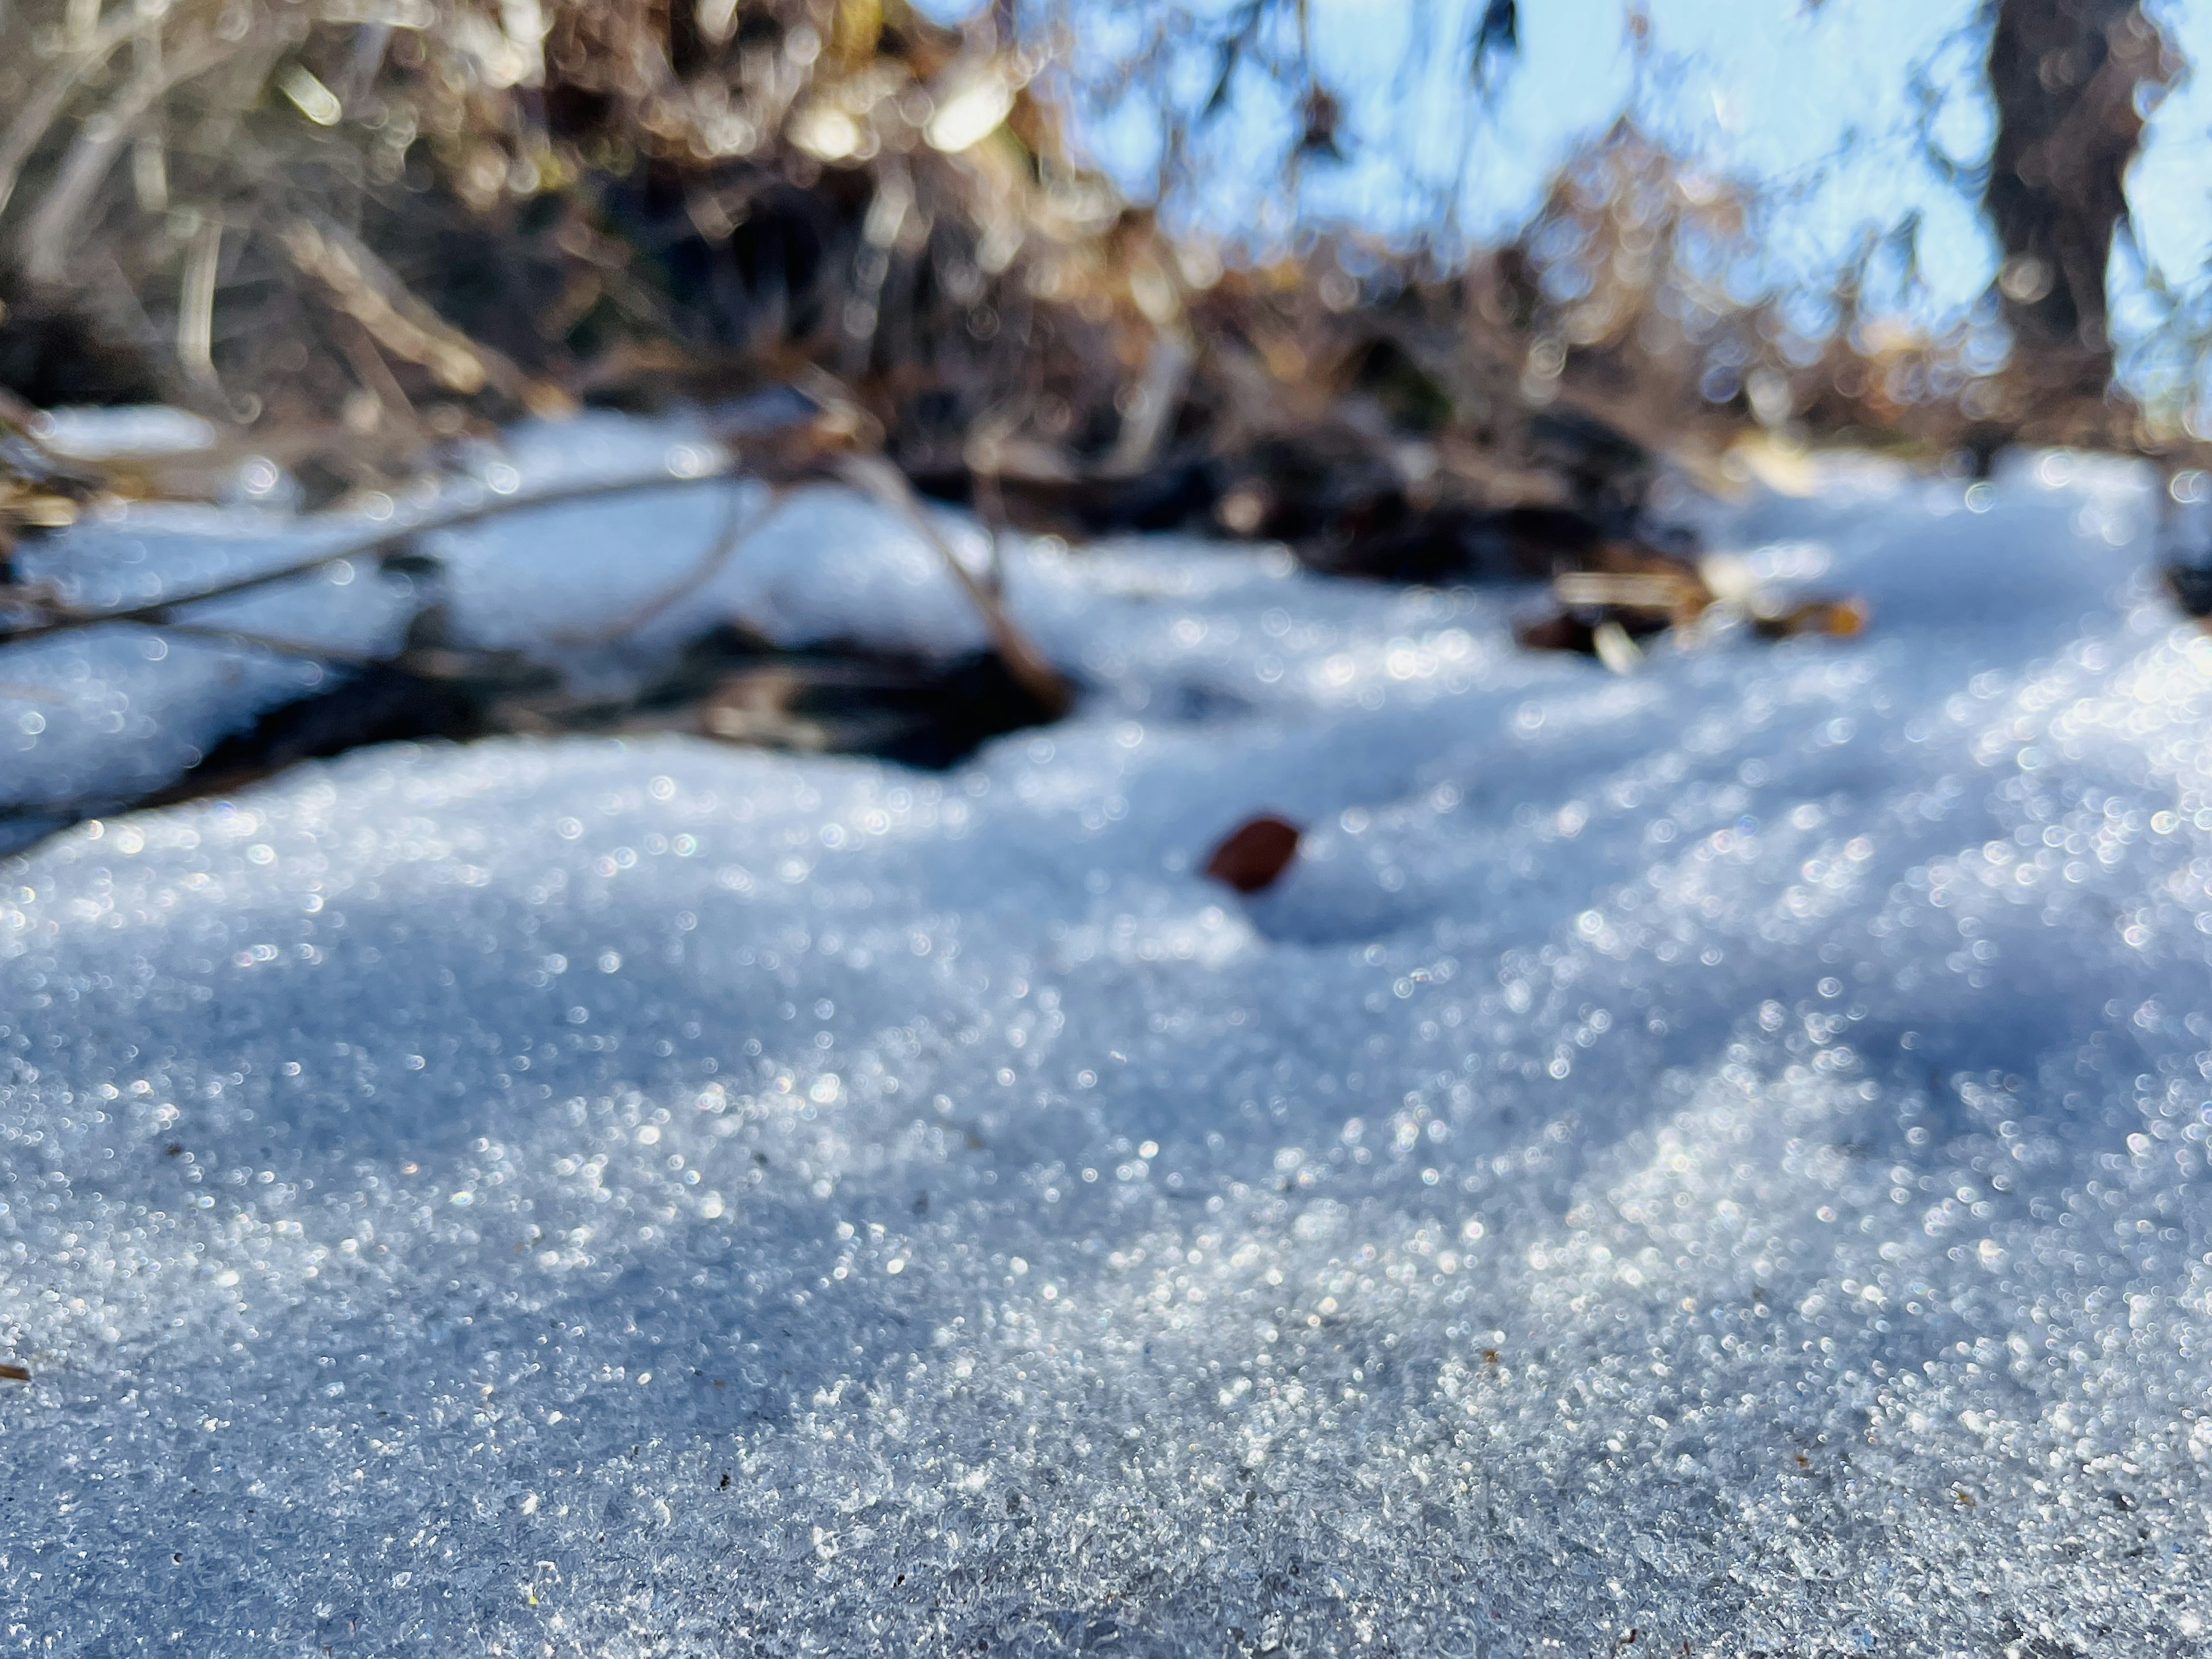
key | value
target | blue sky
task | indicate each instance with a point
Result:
(1829, 107)
(1752, 87)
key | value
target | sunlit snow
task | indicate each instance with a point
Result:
(1713, 1160)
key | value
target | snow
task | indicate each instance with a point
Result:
(1708, 1158)
(566, 581)
(113, 435)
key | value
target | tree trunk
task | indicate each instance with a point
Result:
(2065, 76)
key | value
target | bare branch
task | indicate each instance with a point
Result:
(53, 225)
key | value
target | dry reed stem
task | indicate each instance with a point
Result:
(1028, 664)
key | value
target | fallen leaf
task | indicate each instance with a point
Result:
(1840, 619)
(1255, 854)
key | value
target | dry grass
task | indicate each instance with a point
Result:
(349, 231)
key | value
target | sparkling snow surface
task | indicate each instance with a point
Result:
(1710, 1160)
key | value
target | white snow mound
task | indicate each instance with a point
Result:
(1710, 1161)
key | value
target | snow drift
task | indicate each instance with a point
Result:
(1709, 1161)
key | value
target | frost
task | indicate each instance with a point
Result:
(1714, 1157)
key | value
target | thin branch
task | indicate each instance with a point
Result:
(375, 373)
(196, 306)
(86, 164)
(366, 290)
(380, 541)
(29, 128)
(1028, 664)
(734, 533)
(271, 642)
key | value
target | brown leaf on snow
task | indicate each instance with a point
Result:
(1255, 854)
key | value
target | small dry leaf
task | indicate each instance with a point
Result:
(1840, 619)
(1255, 854)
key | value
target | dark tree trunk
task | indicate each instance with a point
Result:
(2065, 76)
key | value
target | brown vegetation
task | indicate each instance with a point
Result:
(347, 232)
(345, 235)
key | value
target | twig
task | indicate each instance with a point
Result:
(733, 534)
(383, 540)
(196, 306)
(1158, 394)
(365, 290)
(375, 373)
(271, 642)
(32, 124)
(872, 474)
(84, 167)
(1028, 664)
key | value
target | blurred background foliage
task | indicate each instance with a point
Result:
(1411, 285)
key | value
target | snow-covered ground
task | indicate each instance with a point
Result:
(1708, 1161)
